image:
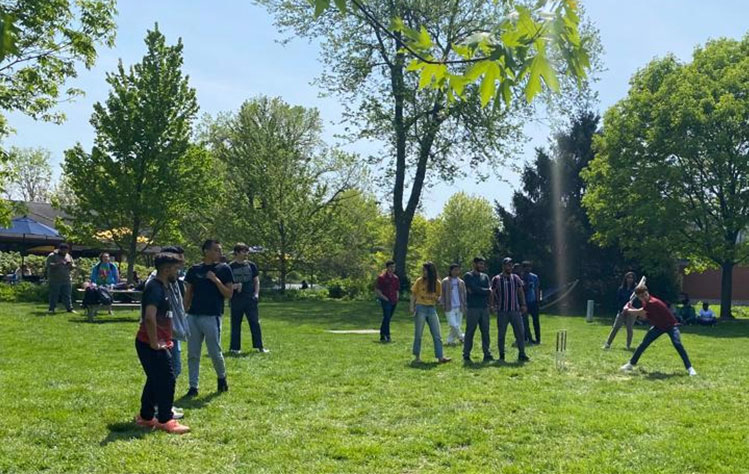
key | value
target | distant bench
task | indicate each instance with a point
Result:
(133, 295)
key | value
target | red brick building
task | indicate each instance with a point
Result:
(705, 286)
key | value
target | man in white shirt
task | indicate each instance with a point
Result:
(454, 302)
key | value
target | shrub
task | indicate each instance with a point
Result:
(294, 295)
(350, 289)
(24, 292)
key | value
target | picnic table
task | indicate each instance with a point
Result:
(132, 297)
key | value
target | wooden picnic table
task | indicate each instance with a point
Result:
(133, 295)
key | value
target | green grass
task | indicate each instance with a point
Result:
(322, 402)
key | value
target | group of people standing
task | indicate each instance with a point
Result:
(475, 295)
(190, 309)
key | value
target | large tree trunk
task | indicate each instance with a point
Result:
(400, 250)
(726, 290)
(133, 251)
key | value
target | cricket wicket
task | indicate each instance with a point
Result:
(561, 352)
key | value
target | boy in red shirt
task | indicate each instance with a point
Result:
(663, 322)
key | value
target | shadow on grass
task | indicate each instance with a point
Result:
(103, 320)
(422, 365)
(123, 432)
(192, 403)
(662, 375)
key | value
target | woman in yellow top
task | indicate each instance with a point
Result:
(425, 295)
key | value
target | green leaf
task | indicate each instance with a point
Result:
(534, 80)
(341, 4)
(321, 6)
(425, 41)
(475, 71)
(488, 84)
(431, 73)
(463, 51)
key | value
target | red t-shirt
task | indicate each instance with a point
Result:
(659, 315)
(389, 286)
(155, 294)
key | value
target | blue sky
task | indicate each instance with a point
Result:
(231, 54)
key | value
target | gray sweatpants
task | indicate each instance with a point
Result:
(208, 328)
(516, 320)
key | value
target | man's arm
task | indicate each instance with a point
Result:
(256, 282)
(187, 300)
(523, 304)
(150, 323)
(226, 290)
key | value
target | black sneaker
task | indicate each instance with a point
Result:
(488, 358)
(222, 385)
(523, 358)
(193, 392)
(388, 340)
(501, 357)
(467, 360)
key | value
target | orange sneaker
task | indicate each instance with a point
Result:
(145, 423)
(172, 426)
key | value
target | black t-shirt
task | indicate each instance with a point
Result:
(155, 294)
(206, 297)
(245, 274)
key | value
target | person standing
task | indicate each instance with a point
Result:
(60, 266)
(244, 300)
(454, 302)
(532, 288)
(387, 288)
(425, 294)
(478, 293)
(663, 322)
(508, 300)
(207, 285)
(623, 296)
(153, 343)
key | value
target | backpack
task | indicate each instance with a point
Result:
(104, 297)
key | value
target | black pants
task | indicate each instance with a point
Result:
(533, 312)
(653, 334)
(160, 380)
(476, 318)
(388, 309)
(238, 311)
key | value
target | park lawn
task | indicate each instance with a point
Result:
(322, 402)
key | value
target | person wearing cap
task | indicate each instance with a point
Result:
(508, 300)
(478, 293)
(60, 265)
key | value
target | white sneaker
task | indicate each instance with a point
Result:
(606, 347)
(627, 367)
(692, 372)
(234, 352)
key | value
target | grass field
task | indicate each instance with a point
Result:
(322, 402)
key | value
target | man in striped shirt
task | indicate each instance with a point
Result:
(508, 300)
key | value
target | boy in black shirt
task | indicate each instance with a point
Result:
(244, 300)
(207, 285)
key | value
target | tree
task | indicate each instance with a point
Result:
(286, 187)
(428, 133)
(29, 174)
(142, 176)
(548, 225)
(517, 48)
(672, 171)
(462, 231)
(41, 44)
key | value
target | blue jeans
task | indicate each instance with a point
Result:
(653, 334)
(176, 358)
(388, 309)
(427, 315)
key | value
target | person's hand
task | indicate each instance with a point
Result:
(524, 309)
(256, 296)
(159, 346)
(211, 276)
